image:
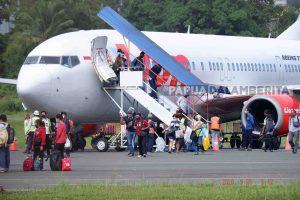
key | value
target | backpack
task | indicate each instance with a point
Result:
(296, 124)
(3, 134)
(11, 135)
(28, 164)
(37, 165)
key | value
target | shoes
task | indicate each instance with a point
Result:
(145, 155)
(139, 156)
(249, 149)
(169, 152)
(196, 153)
(242, 149)
(294, 151)
(271, 150)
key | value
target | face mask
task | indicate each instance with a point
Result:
(43, 116)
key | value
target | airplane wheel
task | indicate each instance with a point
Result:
(232, 142)
(101, 145)
(238, 142)
(276, 143)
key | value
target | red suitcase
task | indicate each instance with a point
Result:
(28, 164)
(66, 164)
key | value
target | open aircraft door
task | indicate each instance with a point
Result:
(100, 60)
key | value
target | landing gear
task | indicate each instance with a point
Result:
(101, 144)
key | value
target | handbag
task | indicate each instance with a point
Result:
(205, 143)
(68, 143)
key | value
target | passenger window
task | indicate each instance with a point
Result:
(271, 68)
(263, 67)
(233, 67)
(245, 67)
(285, 67)
(202, 65)
(259, 67)
(209, 66)
(237, 67)
(299, 68)
(249, 68)
(267, 66)
(31, 60)
(296, 69)
(50, 60)
(214, 66)
(228, 66)
(252, 67)
(292, 68)
(241, 65)
(255, 67)
(218, 68)
(274, 68)
(221, 64)
(289, 68)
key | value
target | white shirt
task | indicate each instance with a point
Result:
(292, 128)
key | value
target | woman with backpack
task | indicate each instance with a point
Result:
(39, 142)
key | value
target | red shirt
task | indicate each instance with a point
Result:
(139, 124)
(61, 133)
(40, 133)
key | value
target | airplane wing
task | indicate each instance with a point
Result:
(8, 81)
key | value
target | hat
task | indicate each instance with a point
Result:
(36, 113)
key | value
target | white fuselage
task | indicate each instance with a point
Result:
(218, 60)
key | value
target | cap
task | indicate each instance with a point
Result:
(36, 112)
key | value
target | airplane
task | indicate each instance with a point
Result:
(58, 74)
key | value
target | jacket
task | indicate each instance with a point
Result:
(40, 133)
(249, 122)
(215, 123)
(61, 133)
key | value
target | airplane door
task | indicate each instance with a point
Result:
(221, 69)
(228, 70)
(280, 71)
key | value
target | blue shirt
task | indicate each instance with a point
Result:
(250, 122)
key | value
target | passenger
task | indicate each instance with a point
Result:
(248, 140)
(129, 121)
(47, 123)
(3, 145)
(141, 127)
(79, 139)
(151, 135)
(31, 131)
(215, 128)
(39, 141)
(197, 129)
(243, 129)
(180, 133)
(27, 125)
(294, 128)
(61, 134)
(118, 64)
(138, 62)
(173, 127)
(182, 102)
(66, 120)
(268, 130)
(155, 70)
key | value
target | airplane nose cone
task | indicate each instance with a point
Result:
(33, 86)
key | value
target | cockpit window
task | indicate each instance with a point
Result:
(49, 60)
(31, 60)
(69, 61)
(74, 61)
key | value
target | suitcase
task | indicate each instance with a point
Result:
(28, 164)
(66, 164)
(55, 160)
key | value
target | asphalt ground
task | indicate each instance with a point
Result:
(227, 166)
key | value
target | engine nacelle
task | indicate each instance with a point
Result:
(280, 107)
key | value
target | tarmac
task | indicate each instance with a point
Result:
(227, 166)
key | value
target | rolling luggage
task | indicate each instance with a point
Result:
(55, 160)
(66, 164)
(28, 164)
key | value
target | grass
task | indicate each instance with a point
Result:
(161, 191)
